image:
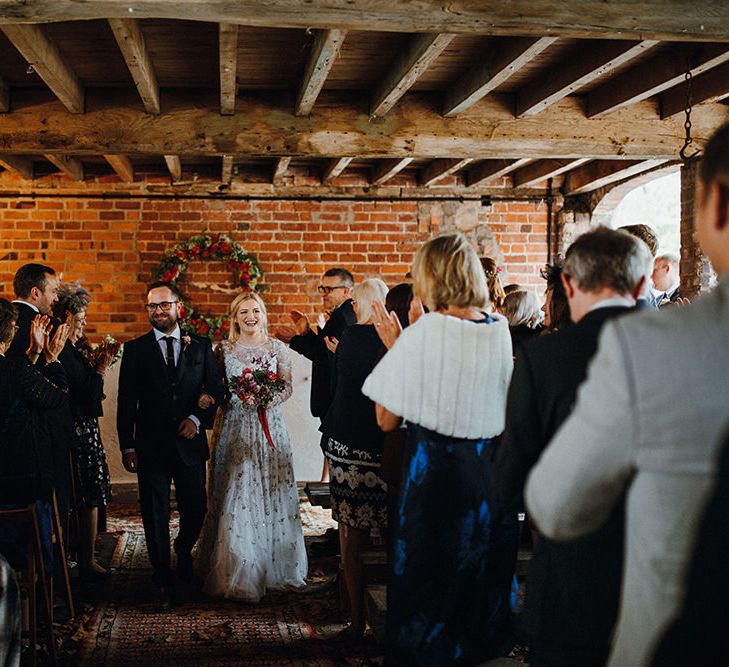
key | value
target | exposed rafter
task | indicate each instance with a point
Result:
(228, 57)
(388, 168)
(280, 169)
(335, 168)
(489, 170)
(45, 58)
(539, 171)
(663, 71)
(496, 68)
(21, 165)
(70, 166)
(129, 37)
(4, 96)
(439, 169)
(122, 166)
(174, 166)
(600, 173)
(410, 64)
(710, 87)
(226, 169)
(594, 61)
(324, 52)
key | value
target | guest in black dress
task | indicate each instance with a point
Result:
(354, 445)
(524, 312)
(87, 392)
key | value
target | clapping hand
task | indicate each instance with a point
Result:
(54, 345)
(205, 400)
(331, 343)
(40, 327)
(387, 325)
(301, 322)
(416, 310)
(285, 334)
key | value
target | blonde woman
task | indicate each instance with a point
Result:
(252, 539)
(447, 376)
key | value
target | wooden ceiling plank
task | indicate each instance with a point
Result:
(122, 166)
(227, 169)
(388, 168)
(174, 165)
(45, 58)
(599, 173)
(228, 54)
(713, 86)
(675, 20)
(489, 170)
(324, 52)
(539, 171)
(595, 61)
(280, 169)
(653, 76)
(496, 68)
(409, 65)
(129, 37)
(68, 165)
(21, 165)
(4, 96)
(335, 168)
(440, 168)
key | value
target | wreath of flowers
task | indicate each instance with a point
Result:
(246, 275)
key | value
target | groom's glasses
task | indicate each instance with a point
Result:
(324, 289)
(162, 305)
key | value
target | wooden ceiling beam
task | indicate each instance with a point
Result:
(489, 170)
(174, 166)
(673, 20)
(4, 96)
(496, 68)
(45, 58)
(409, 65)
(280, 169)
(129, 37)
(19, 164)
(228, 59)
(70, 166)
(335, 168)
(122, 166)
(324, 52)
(713, 86)
(192, 125)
(440, 168)
(653, 76)
(539, 171)
(226, 174)
(384, 171)
(594, 61)
(599, 173)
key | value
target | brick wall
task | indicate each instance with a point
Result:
(697, 274)
(112, 244)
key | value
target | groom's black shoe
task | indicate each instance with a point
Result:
(163, 598)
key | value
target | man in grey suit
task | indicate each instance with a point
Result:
(645, 429)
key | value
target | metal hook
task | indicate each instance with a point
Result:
(682, 152)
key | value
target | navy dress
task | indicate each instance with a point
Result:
(449, 595)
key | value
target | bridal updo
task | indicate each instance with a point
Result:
(234, 331)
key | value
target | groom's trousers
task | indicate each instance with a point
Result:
(155, 475)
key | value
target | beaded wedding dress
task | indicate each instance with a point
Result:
(252, 540)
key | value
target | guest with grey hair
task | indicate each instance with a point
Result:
(666, 278)
(525, 315)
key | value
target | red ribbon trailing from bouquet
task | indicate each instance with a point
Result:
(263, 418)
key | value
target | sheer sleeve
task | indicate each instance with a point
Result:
(283, 365)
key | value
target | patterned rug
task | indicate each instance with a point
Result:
(120, 626)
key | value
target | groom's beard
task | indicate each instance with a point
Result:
(164, 322)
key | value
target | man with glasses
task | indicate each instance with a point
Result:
(161, 430)
(335, 288)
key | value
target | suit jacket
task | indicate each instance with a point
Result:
(313, 347)
(647, 431)
(152, 403)
(572, 589)
(21, 341)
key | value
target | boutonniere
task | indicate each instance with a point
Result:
(186, 340)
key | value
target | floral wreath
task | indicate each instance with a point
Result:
(246, 275)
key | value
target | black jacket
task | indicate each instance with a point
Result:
(151, 404)
(313, 347)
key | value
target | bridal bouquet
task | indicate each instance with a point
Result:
(96, 355)
(257, 387)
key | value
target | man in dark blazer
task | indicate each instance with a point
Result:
(335, 287)
(162, 429)
(572, 588)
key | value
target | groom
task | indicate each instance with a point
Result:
(162, 429)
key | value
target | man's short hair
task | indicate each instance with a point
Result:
(714, 165)
(670, 258)
(29, 276)
(645, 234)
(606, 258)
(176, 291)
(343, 275)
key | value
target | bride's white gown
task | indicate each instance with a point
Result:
(252, 540)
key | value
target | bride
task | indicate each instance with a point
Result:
(252, 540)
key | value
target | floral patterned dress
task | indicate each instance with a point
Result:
(252, 540)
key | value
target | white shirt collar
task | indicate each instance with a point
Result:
(30, 305)
(612, 302)
(159, 335)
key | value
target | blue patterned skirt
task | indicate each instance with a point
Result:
(449, 594)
